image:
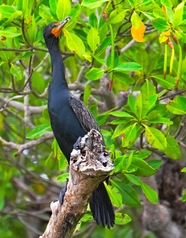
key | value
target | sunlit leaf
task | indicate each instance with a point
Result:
(94, 73)
(93, 3)
(53, 5)
(150, 193)
(138, 33)
(160, 24)
(86, 96)
(10, 32)
(178, 15)
(116, 16)
(121, 114)
(183, 170)
(93, 39)
(156, 138)
(129, 135)
(136, 20)
(143, 168)
(173, 149)
(128, 193)
(114, 195)
(122, 219)
(38, 131)
(167, 83)
(128, 66)
(63, 9)
(155, 163)
(133, 179)
(177, 106)
(63, 177)
(74, 43)
(184, 196)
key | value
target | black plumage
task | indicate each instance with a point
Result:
(70, 119)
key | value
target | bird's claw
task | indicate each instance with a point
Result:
(77, 145)
(62, 193)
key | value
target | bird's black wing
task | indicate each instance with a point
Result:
(85, 118)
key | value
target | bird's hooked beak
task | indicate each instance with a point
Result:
(56, 31)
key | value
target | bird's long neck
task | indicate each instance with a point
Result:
(58, 75)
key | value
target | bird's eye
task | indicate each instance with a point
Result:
(53, 26)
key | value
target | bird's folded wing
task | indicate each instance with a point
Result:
(85, 118)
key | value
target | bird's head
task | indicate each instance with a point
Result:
(53, 30)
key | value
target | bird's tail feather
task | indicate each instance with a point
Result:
(101, 207)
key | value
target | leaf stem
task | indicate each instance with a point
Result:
(179, 65)
(165, 61)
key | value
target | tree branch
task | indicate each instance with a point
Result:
(21, 147)
(88, 168)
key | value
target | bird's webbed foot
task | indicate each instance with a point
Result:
(77, 145)
(62, 193)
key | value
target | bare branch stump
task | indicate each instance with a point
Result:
(88, 168)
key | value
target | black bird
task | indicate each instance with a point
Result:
(70, 119)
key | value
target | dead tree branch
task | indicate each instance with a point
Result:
(88, 168)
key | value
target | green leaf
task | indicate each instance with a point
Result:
(136, 20)
(129, 136)
(120, 128)
(122, 219)
(183, 170)
(127, 160)
(143, 168)
(93, 20)
(148, 89)
(132, 103)
(173, 149)
(93, 3)
(184, 196)
(133, 179)
(126, 67)
(46, 13)
(6, 11)
(150, 194)
(86, 96)
(63, 163)
(53, 6)
(177, 106)
(93, 39)
(155, 164)
(160, 24)
(63, 177)
(168, 83)
(94, 74)
(156, 138)
(114, 195)
(16, 71)
(129, 195)
(75, 11)
(120, 114)
(10, 32)
(142, 59)
(2, 203)
(63, 9)
(142, 106)
(74, 43)
(38, 131)
(123, 78)
(178, 15)
(155, 118)
(116, 16)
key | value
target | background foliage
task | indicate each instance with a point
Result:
(126, 61)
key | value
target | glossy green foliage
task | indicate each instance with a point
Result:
(107, 52)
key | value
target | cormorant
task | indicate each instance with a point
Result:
(70, 119)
